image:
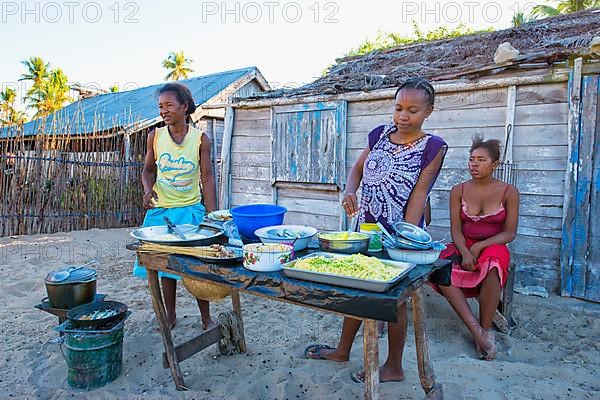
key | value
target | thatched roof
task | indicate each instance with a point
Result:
(541, 43)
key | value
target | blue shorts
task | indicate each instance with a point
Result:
(193, 215)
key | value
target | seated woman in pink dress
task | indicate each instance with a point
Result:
(484, 213)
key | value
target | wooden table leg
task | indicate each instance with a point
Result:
(371, 355)
(165, 332)
(237, 310)
(426, 373)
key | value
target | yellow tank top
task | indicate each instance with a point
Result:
(177, 168)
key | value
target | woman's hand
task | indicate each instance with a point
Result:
(149, 195)
(350, 204)
(468, 262)
(476, 250)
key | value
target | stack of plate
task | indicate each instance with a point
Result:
(411, 237)
(412, 244)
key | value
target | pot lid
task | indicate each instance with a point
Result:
(70, 274)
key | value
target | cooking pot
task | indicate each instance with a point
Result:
(78, 288)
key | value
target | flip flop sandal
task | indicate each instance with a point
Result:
(358, 376)
(313, 351)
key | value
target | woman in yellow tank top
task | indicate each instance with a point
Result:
(177, 161)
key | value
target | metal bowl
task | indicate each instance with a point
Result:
(209, 234)
(348, 246)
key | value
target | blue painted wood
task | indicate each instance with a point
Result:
(580, 249)
(574, 90)
(309, 143)
(592, 278)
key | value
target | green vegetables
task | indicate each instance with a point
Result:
(343, 236)
(355, 266)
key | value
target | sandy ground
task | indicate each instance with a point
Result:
(553, 354)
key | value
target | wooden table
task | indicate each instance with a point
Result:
(411, 287)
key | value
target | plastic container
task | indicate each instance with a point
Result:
(416, 256)
(249, 218)
(375, 243)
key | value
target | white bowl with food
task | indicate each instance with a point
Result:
(416, 256)
(298, 235)
(266, 257)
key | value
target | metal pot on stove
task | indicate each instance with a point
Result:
(71, 286)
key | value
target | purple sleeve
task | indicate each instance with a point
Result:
(432, 148)
(374, 136)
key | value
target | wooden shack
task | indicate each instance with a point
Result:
(296, 147)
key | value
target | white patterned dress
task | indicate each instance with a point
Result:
(390, 173)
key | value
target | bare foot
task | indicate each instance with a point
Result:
(324, 352)
(386, 374)
(208, 325)
(485, 344)
(170, 324)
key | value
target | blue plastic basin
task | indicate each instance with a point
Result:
(249, 218)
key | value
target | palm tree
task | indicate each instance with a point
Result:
(37, 72)
(520, 18)
(8, 98)
(52, 95)
(177, 65)
(8, 113)
(563, 7)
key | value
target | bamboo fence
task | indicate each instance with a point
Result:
(56, 182)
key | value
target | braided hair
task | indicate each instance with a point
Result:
(419, 84)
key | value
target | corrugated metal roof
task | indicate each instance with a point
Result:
(125, 109)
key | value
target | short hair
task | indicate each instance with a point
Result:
(420, 84)
(183, 94)
(491, 145)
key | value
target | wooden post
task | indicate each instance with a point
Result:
(511, 103)
(371, 362)
(237, 310)
(566, 252)
(224, 194)
(165, 331)
(426, 373)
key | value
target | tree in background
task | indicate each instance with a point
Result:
(521, 18)
(387, 40)
(563, 7)
(177, 65)
(114, 89)
(9, 115)
(37, 72)
(50, 88)
(52, 95)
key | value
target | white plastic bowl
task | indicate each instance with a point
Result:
(266, 257)
(415, 256)
(266, 235)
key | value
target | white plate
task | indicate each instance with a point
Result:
(220, 215)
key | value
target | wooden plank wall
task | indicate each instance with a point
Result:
(540, 151)
(251, 157)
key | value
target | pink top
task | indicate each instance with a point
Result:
(481, 227)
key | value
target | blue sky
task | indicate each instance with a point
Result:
(291, 42)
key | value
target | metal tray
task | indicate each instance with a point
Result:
(152, 234)
(345, 281)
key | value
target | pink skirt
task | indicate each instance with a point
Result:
(494, 256)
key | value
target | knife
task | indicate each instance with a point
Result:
(174, 228)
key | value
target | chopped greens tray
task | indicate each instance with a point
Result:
(355, 271)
